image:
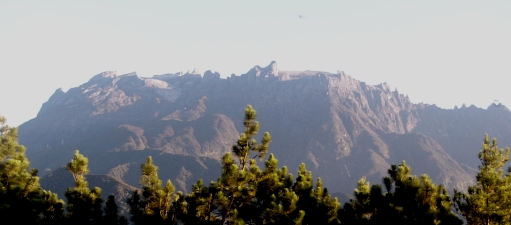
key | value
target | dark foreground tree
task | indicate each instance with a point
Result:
(489, 201)
(154, 204)
(315, 202)
(21, 198)
(84, 206)
(407, 200)
(275, 200)
(232, 196)
(111, 211)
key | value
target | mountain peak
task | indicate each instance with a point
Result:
(496, 107)
(57, 96)
(195, 71)
(268, 71)
(106, 74)
(273, 67)
(130, 74)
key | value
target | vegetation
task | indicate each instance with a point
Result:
(83, 205)
(488, 202)
(407, 199)
(247, 194)
(154, 204)
(21, 197)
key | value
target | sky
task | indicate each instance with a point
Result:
(446, 53)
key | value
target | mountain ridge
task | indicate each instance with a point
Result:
(340, 127)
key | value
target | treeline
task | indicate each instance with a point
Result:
(247, 194)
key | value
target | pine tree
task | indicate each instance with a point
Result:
(21, 197)
(327, 207)
(200, 205)
(155, 205)
(276, 202)
(233, 194)
(84, 206)
(179, 208)
(359, 210)
(136, 207)
(317, 205)
(52, 208)
(416, 199)
(408, 200)
(245, 194)
(123, 220)
(489, 201)
(246, 143)
(111, 211)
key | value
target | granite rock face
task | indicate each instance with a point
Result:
(340, 127)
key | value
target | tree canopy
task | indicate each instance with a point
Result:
(489, 200)
(21, 197)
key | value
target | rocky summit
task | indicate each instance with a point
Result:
(342, 128)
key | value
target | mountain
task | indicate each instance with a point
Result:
(340, 127)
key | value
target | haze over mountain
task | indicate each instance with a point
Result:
(340, 127)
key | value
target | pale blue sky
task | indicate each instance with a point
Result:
(437, 52)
